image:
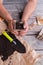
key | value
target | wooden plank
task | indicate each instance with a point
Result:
(32, 40)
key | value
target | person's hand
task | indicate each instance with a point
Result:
(10, 26)
(23, 32)
(40, 36)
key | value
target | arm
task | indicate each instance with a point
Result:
(1, 1)
(29, 9)
(4, 13)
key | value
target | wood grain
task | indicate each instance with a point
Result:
(36, 44)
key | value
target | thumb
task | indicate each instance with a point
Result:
(24, 25)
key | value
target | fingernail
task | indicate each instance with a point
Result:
(24, 26)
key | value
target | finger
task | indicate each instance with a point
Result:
(24, 25)
(14, 20)
(15, 32)
(23, 32)
(10, 26)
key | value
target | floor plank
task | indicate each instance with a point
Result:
(36, 44)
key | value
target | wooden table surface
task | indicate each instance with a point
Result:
(36, 44)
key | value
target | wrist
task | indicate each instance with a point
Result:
(9, 19)
(24, 20)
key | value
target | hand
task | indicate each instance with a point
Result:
(40, 36)
(10, 26)
(23, 32)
